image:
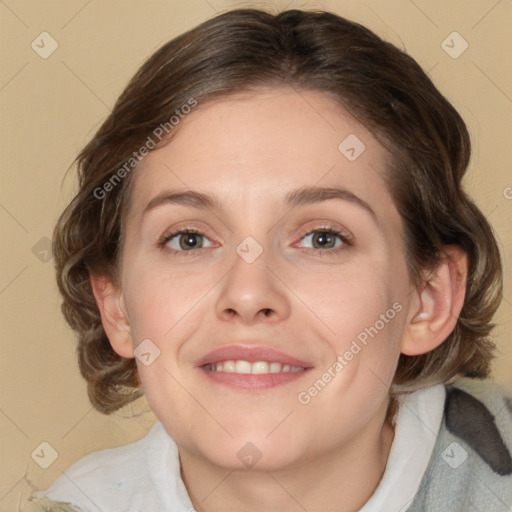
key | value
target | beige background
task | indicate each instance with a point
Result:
(51, 107)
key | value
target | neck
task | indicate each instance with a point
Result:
(342, 479)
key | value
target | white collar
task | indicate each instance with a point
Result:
(417, 425)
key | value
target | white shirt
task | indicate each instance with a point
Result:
(145, 475)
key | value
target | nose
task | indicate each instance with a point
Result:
(252, 293)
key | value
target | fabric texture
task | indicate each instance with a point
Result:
(417, 424)
(463, 474)
(451, 452)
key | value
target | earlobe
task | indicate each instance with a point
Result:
(441, 300)
(113, 313)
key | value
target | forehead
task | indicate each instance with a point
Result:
(258, 146)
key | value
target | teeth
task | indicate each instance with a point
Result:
(275, 367)
(259, 367)
(245, 367)
(228, 366)
(242, 367)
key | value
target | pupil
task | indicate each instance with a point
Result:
(323, 238)
(188, 241)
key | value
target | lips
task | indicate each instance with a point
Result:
(252, 368)
(251, 355)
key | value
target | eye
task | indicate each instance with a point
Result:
(185, 240)
(329, 239)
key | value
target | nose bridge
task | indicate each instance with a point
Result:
(251, 290)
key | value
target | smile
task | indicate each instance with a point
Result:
(254, 367)
(247, 367)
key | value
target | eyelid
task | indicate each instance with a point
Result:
(184, 227)
(347, 237)
(180, 231)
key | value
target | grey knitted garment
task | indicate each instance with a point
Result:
(471, 466)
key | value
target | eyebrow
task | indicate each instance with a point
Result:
(299, 197)
(311, 195)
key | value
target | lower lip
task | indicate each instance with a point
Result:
(254, 381)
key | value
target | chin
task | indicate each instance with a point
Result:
(244, 454)
(253, 459)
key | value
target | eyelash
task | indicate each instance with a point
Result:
(346, 239)
(167, 238)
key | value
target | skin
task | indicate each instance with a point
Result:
(249, 151)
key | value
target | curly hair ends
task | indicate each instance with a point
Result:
(112, 381)
(244, 50)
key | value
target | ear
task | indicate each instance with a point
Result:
(113, 314)
(441, 301)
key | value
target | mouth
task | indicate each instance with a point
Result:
(253, 368)
(246, 367)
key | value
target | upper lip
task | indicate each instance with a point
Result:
(250, 354)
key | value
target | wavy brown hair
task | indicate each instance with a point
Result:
(379, 84)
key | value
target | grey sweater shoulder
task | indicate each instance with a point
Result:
(471, 466)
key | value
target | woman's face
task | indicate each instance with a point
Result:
(270, 334)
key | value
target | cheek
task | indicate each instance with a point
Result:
(363, 309)
(351, 299)
(157, 302)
